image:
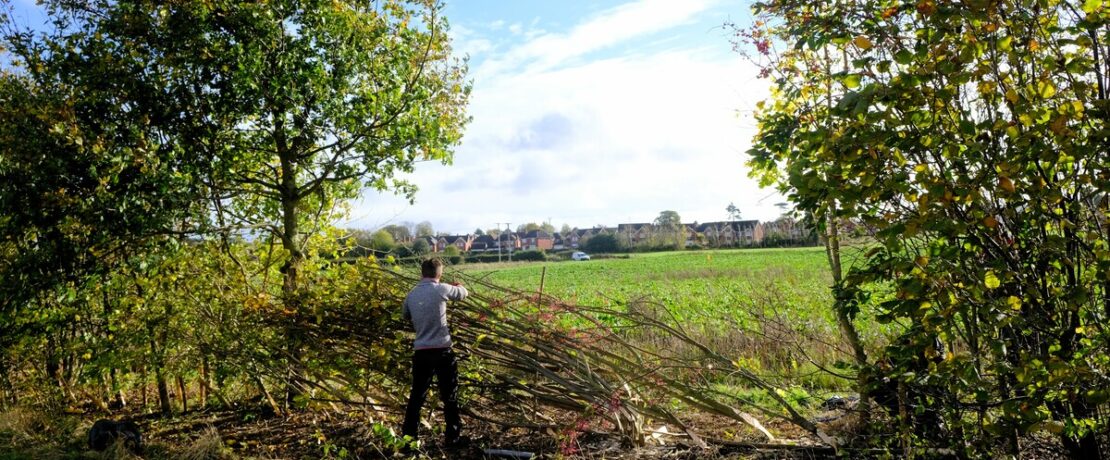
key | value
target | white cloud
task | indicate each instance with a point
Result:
(606, 29)
(605, 142)
(600, 141)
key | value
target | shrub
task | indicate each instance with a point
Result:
(453, 255)
(602, 244)
(537, 256)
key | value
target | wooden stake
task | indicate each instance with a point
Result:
(543, 276)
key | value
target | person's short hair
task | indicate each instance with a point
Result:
(431, 268)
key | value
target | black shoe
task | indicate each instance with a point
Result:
(460, 442)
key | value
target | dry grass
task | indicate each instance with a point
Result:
(19, 426)
(118, 451)
(208, 446)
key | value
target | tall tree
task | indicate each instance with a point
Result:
(669, 229)
(295, 105)
(971, 136)
(400, 233)
(424, 229)
(530, 226)
(733, 212)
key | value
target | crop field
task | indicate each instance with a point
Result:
(693, 284)
(771, 305)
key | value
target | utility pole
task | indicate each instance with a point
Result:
(509, 231)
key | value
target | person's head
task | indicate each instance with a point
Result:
(431, 268)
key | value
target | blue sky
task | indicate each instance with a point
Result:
(587, 113)
(591, 113)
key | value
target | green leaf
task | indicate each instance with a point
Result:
(991, 280)
(903, 56)
(851, 81)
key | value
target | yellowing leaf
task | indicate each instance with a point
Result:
(1006, 184)
(1014, 302)
(1012, 95)
(990, 222)
(862, 42)
(1046, 89)
(1004, 43)
(991, 281)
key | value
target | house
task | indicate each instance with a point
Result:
(537, 239)
(559, 243)
(787, 230)
(483, 243)
(732, 233)
(462, 242)
(691, 233)
(508, 241)
(634, 234)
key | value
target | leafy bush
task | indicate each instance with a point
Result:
(602, 244)
(531, 256)
(453, 255)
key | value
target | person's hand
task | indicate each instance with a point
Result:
(456, 283)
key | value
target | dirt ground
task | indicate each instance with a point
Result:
(346, 433)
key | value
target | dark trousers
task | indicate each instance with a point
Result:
(441, 363)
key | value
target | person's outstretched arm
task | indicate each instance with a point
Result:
(457, 292)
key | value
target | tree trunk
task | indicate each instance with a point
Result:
(160, 379)
(266, 393)
(7, 393)
(184, 397)
(163, 392)
(204, 382)
(142, 386)
(121, 402)
(290, 198)
(847, 329)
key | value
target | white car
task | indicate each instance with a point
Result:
(579, 255)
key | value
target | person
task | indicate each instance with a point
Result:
(426, 307)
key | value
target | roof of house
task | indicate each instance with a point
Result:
(736, 225)
(537, 234)
(452, 239)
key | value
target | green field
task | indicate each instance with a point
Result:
(693, 284)
(770, 305)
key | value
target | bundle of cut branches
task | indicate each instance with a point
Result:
(536, 361)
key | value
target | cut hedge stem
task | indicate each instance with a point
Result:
(523, 352)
